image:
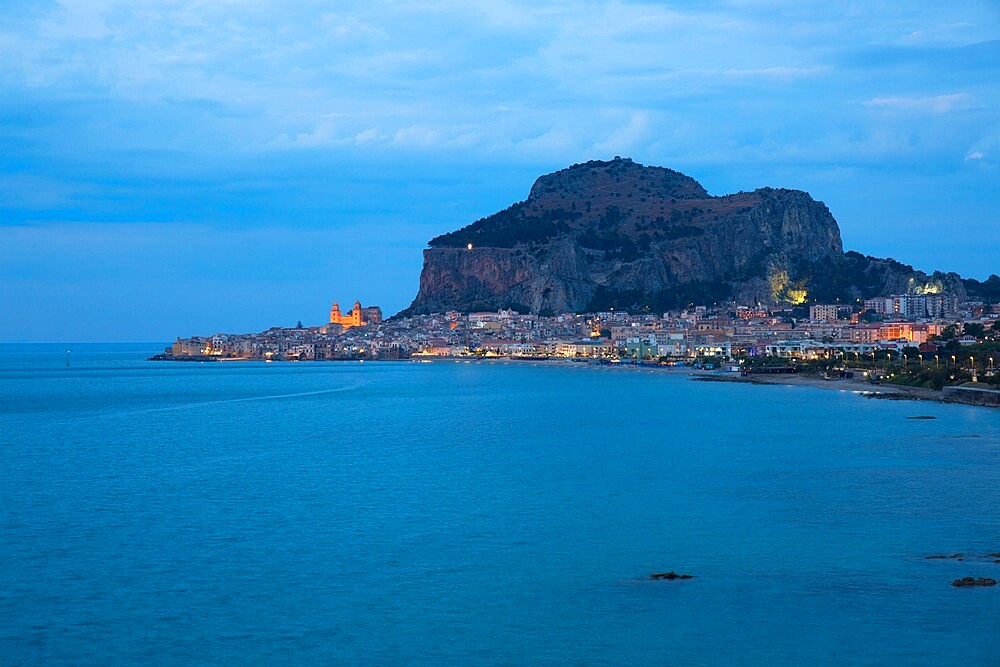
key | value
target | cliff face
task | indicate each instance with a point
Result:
(619, 234)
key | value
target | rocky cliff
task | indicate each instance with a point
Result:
(619, 234)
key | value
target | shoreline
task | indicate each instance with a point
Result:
(891, 392)
(858, 386)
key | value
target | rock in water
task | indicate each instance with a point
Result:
(970, 581)
(670, 576)
(617, 234)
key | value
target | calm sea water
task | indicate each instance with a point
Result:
(477, 513)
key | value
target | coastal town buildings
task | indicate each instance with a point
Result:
(820, 331)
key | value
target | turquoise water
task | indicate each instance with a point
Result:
(478, 513)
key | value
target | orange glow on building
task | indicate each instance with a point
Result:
(917, 333)
(357, 317)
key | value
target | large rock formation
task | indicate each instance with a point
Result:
(618, 234)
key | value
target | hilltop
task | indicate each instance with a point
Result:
(618, 234)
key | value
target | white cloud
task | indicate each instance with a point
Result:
(627, 137)
(776, 72)
(417, 136)
(494, 76)
(932, 104)
(371, 135)
(975, 155)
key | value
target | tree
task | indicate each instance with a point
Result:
(974, 329)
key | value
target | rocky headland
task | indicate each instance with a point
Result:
(617, 234)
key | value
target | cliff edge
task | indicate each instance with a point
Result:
(617, 234)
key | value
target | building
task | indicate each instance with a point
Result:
(357, 317)
(941, 305)
(916, 333)
(914, 306)
(191, 347)
(824, 313)
(879, 305)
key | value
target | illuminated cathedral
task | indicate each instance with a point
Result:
(356, 317)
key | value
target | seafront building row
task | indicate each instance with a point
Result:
(725, 331)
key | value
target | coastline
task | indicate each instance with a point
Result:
(859, 386)
(882, 391)
(889, 392)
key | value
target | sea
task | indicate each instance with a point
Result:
(482, 513)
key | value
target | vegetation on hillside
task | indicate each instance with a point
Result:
(512, 226)
(697, 292)
(988, 290)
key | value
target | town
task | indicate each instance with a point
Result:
(961, 340)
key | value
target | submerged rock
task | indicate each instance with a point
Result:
(669, 576)
(970, 581)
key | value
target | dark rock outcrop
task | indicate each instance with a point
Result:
(617, 234)
(970, 581)
(669, 576)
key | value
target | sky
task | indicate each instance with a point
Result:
(185, 167)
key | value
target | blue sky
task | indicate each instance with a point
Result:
(193, 166)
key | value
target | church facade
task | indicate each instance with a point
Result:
(356, 317)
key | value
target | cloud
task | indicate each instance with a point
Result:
(626, 138)
(780, 72)
(430, 76)
(310, 115)
(935, 104)
(371, 135)
(417, 136)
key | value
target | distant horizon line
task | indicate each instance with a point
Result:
(84, 342)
